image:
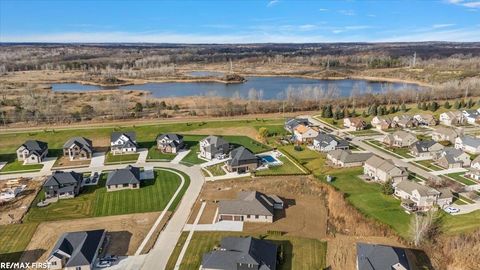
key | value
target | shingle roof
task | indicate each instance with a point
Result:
(35, 146)
(423, 146)
(215, 141)
(293, 122)
(385, 165)
(248, 203)
(115, 135)
(82, 142)
(128, 175)
(170, 136)
(81, 246)
(238, 250)
(241, 155)
(63, 178)
(470, 141)
(380, 257)
(410, 186)
(347, 156)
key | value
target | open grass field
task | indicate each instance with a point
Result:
(95, 201)
(157, 155)
(299, 253)
(127, 158)
(462, 179)
(310, 159)
(216, 170)
(460, 223)
(14, 239)
(287, 168)
(399, 152)
(369, 199)
(18, 166)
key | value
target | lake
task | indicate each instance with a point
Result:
(268, 88)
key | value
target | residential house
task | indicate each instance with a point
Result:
(241, 253)
(471, 116)
(451, 157)
(404, 121)
(304, 134)
(78, 148)
(345, 158)
(126, 178)
(425, 119)
(381, 123)
(32, 152)
(242, 160)
(212, 147)
(250, 206)
(474, 170)
(292, 123)
(354, 123)
(382, 170)
(326, 142)
(123, 143)
(170, 143)
(400, 139)
(443, 134)
(468, 144)
(381, 257)
(428, 148)
(76, 250)
(416, 197)
(452, 118)
(63, 185)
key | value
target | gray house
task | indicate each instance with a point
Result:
(291, 123)
(213, 146)
(63, 185)
(381, 257)
(170, 143)
(242, 160)
(250, 206)
(32, 152)
(326, 142)
(123, 143)
(127, 178)
(452, 158)
(76, 250)
(425, 148)
(78, 148)
(345, 158)
(238, 253)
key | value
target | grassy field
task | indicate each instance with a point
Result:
(288, 167)
(369, 199)
(366, 132)
(312, 160)
(95, 201)
(216, 170)
(460, 178)
(400, 152)
(460, 223)
(155, 154)
(127, 158)
(428, 164)
(18, 166)
(14, 239)
(299, 253)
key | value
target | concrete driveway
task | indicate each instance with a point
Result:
(98, 159)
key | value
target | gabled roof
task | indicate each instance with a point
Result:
(453, 152)
(59, 178)
(240, 155)
(248, 203)
(385, 165)
(82, 142)
(470, 141)
(471, 113)
(35, 146)
(347, 156)
(130, 135)
(80, 246)
(293, 122)
(424, 146)
(380, 257)
(410, 186)
(170, 136)
(238, 250)
(128, 175)
(215, 141)
(326, 139)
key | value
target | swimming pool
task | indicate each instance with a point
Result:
(268, 159)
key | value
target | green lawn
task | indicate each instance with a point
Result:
(299, 253)
(365, 132)
(127, 158)
(402, 152)
(155, 154)
(460, 178)
(332, 123)
(460, 223)
(95, 201)
(216, 169)
(428, 164)
(18, 166)
(310, 159)
(369, 199)
(287, 168)
(14, 239)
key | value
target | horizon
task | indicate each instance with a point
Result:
(235, 22)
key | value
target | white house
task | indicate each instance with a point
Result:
(468, 144)
(417, 197)
(452, 118)
(123, 143)
(441, 134)
(400, 139)
(325, 142)
(471, 116)
(381, 123)
(354, 123)
(32, 152)
(304, 134)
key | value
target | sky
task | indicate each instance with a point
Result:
(240, 21)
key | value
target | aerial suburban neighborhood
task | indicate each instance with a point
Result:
(240, 135)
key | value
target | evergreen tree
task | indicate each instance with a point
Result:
(433, 106)
(364, 114)
(419, 105)
(424, 106)
(387, 188)
(328, 111)
(404, 108)
(456, 105)
(462, 104)
(470, 103)
(447, 105)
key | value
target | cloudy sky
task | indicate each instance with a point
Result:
(246, 21)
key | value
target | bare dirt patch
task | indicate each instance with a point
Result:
(13, 211)
(65, 161)
(126, 232)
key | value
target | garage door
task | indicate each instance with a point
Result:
(223, 217)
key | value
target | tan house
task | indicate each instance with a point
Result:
(345, 158)
(250, 206)
(78, 148)
(425, 119)
(127, 178)
(305, 134)
(452, 118)
(404, 121)
(417, 197)
(32, 152)
(354, 123)
(381, 123)
(450, 158)
(428, 148)
(378, 169)
(441, 134)
(399, 139)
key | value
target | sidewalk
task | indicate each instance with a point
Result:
(143, 154)
(180, 155)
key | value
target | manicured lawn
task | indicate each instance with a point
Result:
(335, 124)
(14, 239)
(96, 201)
(366, 132)
(310, 159)
(299, 253)
(216, 169)
(460, 223)
(402, 152)
(127, 158)
(369, 199)
(460, 178)
(18, 166)
(155, 154)
(288, 168)
(429, 164)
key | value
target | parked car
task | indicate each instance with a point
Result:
(103, 264)
(451, 210)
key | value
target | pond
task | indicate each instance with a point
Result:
(268, 88)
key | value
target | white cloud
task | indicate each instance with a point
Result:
(307, 27)
(272, 3)
(323, 9)
(442, 25)
(466, 3)
(347, 12)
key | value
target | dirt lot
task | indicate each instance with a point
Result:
(299, 217)
(126, 232)
(65, 161)
(13, 211)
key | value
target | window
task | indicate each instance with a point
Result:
(125, 185)
(53, 263)
(248, 216)
(134, 185)
(78, 268)
(256, 216)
